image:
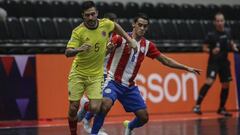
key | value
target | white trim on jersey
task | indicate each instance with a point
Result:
(116, 59)
(128, 72)
(147, 46)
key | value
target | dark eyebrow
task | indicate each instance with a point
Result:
(90, 13)
(142, 24)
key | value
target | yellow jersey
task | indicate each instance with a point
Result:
(91, 62)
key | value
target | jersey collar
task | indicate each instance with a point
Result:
(90, 27)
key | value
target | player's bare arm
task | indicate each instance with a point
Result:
(132, 42)
(71, 52)
(174, 64)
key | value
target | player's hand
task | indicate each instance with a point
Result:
(110, 46)
(133, 44)
(84, 47)
(236, 50)
(194, 70)
(216, 50)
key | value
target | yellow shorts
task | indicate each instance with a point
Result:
(78, 85)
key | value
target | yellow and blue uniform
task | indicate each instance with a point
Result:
(87, 69)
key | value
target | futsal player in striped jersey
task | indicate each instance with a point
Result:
(122, 68)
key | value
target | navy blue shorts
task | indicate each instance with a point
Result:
(129, 97)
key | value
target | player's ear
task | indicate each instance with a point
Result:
(133, 25)
(82, 15)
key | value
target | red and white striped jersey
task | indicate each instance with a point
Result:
(107, 57)
(123, 63)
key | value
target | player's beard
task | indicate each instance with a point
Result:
(92, 23)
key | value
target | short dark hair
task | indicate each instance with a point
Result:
(218, 13)
(141, 15)
(110, 16)
(87, 4)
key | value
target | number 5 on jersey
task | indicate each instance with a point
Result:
(97, 47)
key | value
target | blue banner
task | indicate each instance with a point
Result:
(18, 87)
(237, 73)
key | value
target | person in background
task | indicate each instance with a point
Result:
(217, 43)
(3, 14)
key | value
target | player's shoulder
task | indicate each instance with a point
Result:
(147, 41)
(115, 35)
(227, 30)
(79, 28)
(117, 39)
(211, 33)
(105, 21)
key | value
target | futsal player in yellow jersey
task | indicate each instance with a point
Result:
(88, 43)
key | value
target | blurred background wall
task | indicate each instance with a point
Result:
(205, 2)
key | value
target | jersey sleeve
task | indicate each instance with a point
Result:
(229, 33)
(109, 25)
(74, 41)
(153, 52)
(117, 40)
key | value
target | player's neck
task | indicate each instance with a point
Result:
(91, 27)
(136, 37)
(220, 29)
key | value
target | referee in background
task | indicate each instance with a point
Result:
(217, 43)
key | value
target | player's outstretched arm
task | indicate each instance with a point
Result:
(174, 64)
(132, 42)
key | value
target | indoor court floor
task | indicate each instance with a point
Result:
(181, 124)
